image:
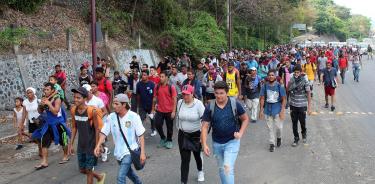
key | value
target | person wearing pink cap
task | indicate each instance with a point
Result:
(188, 119)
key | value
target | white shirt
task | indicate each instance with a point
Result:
(132, 127)
(19, 116)
(96, 102)
(31, 108)
(182, 76)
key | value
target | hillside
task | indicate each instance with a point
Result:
(46, 29)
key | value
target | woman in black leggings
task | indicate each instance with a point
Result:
(189, 113)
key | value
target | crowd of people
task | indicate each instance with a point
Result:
(220, 93)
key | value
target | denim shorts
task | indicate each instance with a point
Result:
(86, 161)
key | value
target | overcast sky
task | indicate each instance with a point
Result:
(362, 7)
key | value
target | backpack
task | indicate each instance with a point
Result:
(233, 103)
(90, 110)
(169, 89)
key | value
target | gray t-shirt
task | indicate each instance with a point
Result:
(322, 62)
(189, 116)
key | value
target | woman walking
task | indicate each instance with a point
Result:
(189, 113)
(357, 64)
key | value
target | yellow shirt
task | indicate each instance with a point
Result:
(231, 81)
(309, 71)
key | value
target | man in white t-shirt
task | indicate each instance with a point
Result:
(95, 101)
(133, 130)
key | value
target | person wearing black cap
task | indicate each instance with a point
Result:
(300, 102)
(85, 120)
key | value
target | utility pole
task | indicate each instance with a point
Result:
(229, 23)
(93, 34)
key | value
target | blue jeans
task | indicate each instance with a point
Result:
(126, 170)
(226, 155)
(356, 71)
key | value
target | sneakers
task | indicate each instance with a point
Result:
(295, 143)
(272, 147)
(168, 145)
(333, 108)
(326, 105)
(278, 144)
(200, 176)
(304, 141)
(162, 143)
(19, 146)
(253, 121)
(153, 133)
(105, 154)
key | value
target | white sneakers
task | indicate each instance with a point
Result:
(153, 133)
(105, 154)
(200, 176)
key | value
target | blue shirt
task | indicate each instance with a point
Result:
(237, 64)
(223, 122)
(251, 64)
(273, 102)
(146, 92)
(329, 76)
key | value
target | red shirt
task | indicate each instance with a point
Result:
(329, 54)
(105, 89)
(155, 79)
(313, 59)
(165, 98)
(61, 76)
(343, 63)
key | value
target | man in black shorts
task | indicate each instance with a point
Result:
(85, 120)
(54, 127)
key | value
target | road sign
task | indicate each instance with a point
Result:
(300, 27)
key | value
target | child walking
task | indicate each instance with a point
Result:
(17, 121)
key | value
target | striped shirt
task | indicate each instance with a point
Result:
(298, 92)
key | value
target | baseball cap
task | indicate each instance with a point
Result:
(187, 90)
(253, 68)
(122, 98)
(82, 91)
(87, 87)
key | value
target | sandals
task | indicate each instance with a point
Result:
(64, 161)
(40, 167)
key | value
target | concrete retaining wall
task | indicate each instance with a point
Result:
(22, 71)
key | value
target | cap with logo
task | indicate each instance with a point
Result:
(187, 90)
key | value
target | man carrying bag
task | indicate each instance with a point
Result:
(128, 134)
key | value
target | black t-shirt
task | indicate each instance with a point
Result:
(86, 133)
(243, 75)
(253, 89)
(163, 66)
(119, 86)
(134, 64)
(85, 80)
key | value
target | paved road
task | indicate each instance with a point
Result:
(340, 150)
